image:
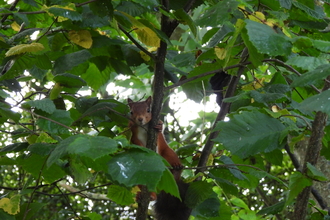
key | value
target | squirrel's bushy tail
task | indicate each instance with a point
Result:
(168, 207)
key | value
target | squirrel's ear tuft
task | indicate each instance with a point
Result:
(149, 100)
(129, 101)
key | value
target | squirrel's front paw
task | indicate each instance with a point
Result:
(177, 166)
(159, 126)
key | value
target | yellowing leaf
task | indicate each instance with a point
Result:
(24, 48)
(260, 15)
(257, 84)
(220, 53)
(257, 16)
(15, 26)
(70, 6)
(11, 206)
(285, 112)
(144, 56)
(145, 34)
(45, 138)
(82, 38)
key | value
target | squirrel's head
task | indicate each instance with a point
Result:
(140, 111)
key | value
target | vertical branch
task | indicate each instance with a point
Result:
(167, 27)
(224, 109)
(158, 93)
(312, 155)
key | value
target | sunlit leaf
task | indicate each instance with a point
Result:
(125, 168)
(145, 34)
(11, 206)
(82, 38)
(267, 40)
(250, 133)
(120, 195)
(24, 48)
(83, 145)
(45, 105)
(15, 26)
(64, 12)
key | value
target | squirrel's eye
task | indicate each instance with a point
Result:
(131, 113)
(148, 110)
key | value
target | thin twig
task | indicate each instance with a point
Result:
(136, 43)
(34, 190)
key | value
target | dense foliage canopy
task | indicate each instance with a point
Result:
(67, 68)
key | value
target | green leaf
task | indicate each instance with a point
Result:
(120, 67)
(120, 195)
(212, 18)
(315, 173)
(307, 63)
(209, 208)
(137, 167)
(94, 216)
(168, 184)
(235, 171)
(184, 18)
(56, 123)
(274, 209)
(250, 133)
(319, 102)
(34, 208)
(45, 105)
(68, 61)
(254, 55)
(6, 216)
(311, 77)
(16, 147)
(321, 45)
(193, 91)
(6, 113)
(96, 78)
(43, 62)
(131, 8)
(297, 183)
(317, 12)
(35, 164)
(226, 185)
(18, 66)
(79, 170)
(72, 15)
(83, 145)
(69, 80)
(286, 3)
(267, 40)
(240, 203)
(42, 149)
(197, 193)
(220, 34)
(265, 97)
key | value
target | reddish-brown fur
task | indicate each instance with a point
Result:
(167, 207)
(140, 117)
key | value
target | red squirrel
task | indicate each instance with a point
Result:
(167, 207)
(140, 117)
